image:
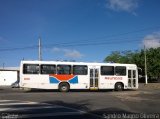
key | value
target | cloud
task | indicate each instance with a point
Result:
(71, 53)
(55, 49)
(122, 5)
(152, 40)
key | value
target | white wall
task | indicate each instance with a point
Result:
(8, 77)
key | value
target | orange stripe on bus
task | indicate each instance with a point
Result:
(63, 77)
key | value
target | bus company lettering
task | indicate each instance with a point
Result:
(113, 78)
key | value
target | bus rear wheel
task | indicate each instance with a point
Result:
(64, 87)
(119, 86)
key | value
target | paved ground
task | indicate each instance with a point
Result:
(143, 103)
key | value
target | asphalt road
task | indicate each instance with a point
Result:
(15, 103)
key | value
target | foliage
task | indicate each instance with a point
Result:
(137, 57)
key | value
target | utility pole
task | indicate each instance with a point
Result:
(145, 65)
(39, 50)
(3, 65)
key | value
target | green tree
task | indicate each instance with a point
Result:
(114, 57)
(137, 57)
(153, 62)
(120, 57)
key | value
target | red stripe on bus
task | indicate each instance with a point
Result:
(63, 77)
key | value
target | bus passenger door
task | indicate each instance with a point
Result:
(131, 78)
(94, 77)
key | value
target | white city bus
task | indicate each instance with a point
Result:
(77, 75)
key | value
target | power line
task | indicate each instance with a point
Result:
(88, 42)
(115, 35)
(107, 36)
(20, 48)
(73, 44)
(95, 43)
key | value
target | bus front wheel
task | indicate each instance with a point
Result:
(64, 87)
(119, 86)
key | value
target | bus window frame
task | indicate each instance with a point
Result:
(84, 72)
(55, 70)
(109, 74)
(120, 73)
(25, 71)
(70, 70)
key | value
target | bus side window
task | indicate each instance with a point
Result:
(31, 69)
(63, 69)
(120, 71)
(80, 69)
(48, 69)
(107, 70)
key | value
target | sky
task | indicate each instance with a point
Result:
(80, 30)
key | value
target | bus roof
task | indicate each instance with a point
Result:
(74, 63)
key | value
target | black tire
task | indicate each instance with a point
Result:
(64, 87)
(119, 87)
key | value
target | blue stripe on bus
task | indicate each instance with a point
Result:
(53, 80)
(74, 80)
